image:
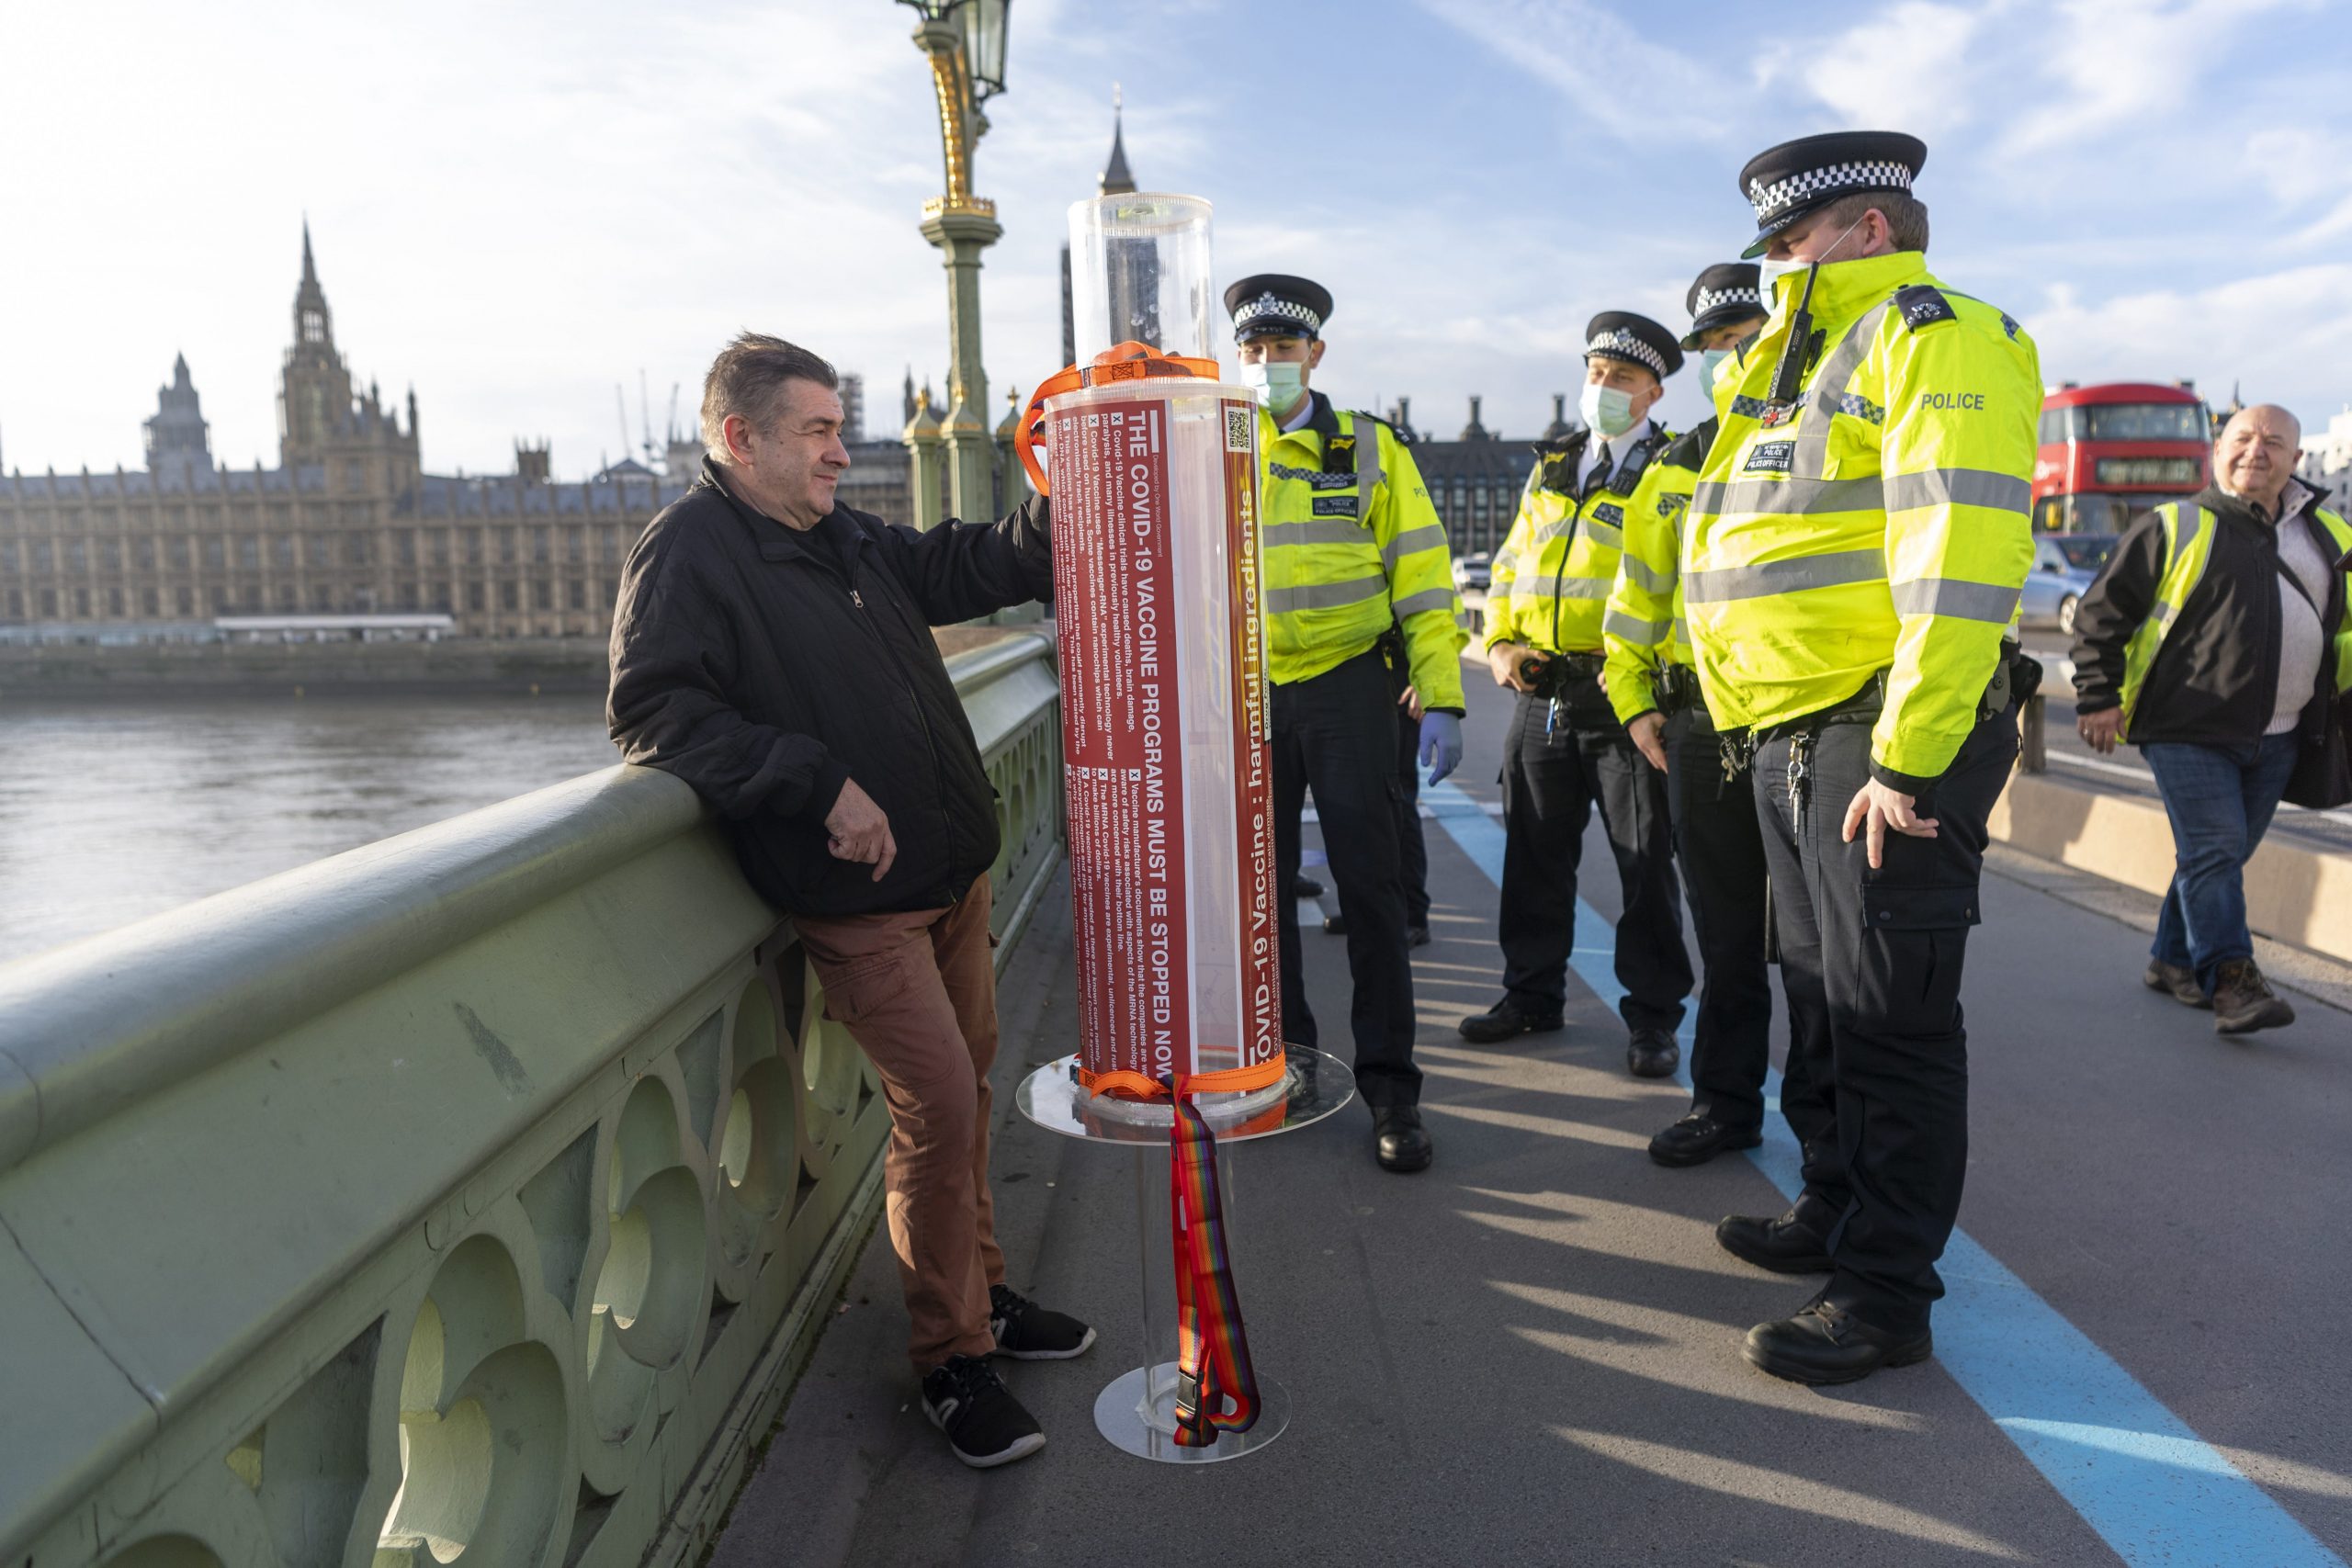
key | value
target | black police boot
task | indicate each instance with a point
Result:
(1652, 1053)
(1335, 925)
(1823, 1343)
(1416, 936)
(1698, 1138)
(1785, 1246)
(2178, 981)
(1505, 1019)
(1304, 886)
(1399, 1142)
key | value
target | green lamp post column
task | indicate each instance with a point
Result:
(965, 42)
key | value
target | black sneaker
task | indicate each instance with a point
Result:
(1303, 887)
(1027, 1332)
(985, 1425)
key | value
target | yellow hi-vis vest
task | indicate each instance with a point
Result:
(1643, 626)
(1551, 580)
(1879, 525)
(1339, 567)
(2188, 547)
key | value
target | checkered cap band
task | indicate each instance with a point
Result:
(1810, 185)
(1715, 298)
(1275, 305)
(1625, 345)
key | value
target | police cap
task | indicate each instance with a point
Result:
(1636, 340)
(1724, 293)
(1275, 304)
(1784, 183)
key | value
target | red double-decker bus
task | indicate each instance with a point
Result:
(2110, 452)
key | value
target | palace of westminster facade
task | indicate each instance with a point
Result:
(349, 524)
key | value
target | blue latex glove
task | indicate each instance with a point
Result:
(1441, 743)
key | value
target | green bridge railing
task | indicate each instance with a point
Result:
(474, 1195)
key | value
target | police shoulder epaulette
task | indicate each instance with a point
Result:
(1690, 448)
(1402, 439)
(1923, 305)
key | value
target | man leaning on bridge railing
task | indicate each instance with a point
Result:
(772, 649)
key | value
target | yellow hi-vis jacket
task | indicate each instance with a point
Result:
(1340, 569)
(1550, 578)
(2188, 547)
(1642, 625)
(1878, 525)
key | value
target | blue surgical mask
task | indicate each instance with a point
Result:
(1710, 361)
(1278, 383)
(1606, 409)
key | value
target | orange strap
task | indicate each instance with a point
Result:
(1124, 362)
(1136, 1086)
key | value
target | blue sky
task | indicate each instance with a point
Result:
(517, 206)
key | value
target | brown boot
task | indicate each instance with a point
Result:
(2180, 982)
(2243, 1001)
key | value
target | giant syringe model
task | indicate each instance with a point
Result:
(1154, 478)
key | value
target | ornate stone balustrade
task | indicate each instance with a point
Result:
(472, 1196)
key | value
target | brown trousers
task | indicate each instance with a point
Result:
(917, 992)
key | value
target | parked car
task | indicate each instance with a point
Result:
(2064, 565)
(1473, 571)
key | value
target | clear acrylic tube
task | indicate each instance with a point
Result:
(1140, 273)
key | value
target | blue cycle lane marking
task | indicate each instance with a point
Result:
(2158, 1494)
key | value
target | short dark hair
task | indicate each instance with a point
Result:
(1907, 216)
(749, 378)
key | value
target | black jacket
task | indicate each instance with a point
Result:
(2215, 679)
(765, 667)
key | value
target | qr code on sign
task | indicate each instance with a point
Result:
(1238, 431)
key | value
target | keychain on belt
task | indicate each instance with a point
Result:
(1800, 771)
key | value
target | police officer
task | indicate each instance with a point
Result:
(1717, 841)
(1853, 560)
(1565, 749)
(1352, 546)
(1412, 845)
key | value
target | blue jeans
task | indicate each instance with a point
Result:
(2221, 799)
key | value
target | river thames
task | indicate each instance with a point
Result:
(110, 812)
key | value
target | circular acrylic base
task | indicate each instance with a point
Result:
(1119, 1415)
(1315, 1084)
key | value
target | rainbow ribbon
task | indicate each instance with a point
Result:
(1216, 1388)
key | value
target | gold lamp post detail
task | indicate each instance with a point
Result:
(963, 40)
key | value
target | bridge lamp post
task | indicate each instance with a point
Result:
(965, 42)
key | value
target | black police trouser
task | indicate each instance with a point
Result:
(1412, 849)
(1549, 788)
(1335, 733)
(1876, 956)
(1719, 846)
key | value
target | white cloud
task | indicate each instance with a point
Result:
(1607, 69)
(2111, 63)
(2282, 335)
(1910, 68)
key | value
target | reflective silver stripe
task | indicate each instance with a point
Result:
(1427, 598)
(1955, 597)
(1606, 533)
(1584, 588)
(1651, 582)
(1427, 537)
(1834, 571)
(1957, 486)
(1551, 531)
(1315, 531)
(1811, 459)
(1791, 498)
(1681, 629)
(1640, 632)
(1328, 595)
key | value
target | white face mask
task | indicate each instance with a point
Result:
(1278, 383)
(1606, 409)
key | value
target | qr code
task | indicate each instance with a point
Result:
(1238, 428)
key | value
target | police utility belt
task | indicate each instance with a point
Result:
(1677, 689)
(1555, 674)
(2015, 677)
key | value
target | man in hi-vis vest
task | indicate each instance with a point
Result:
(2214, 640)
(1353, 547)
(1853, 560)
